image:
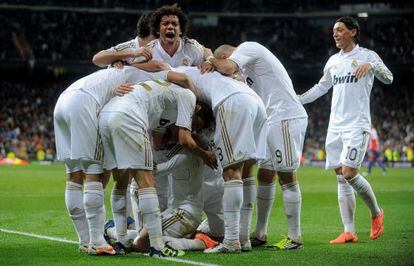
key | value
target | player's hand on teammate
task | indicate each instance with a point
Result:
(118, 64)
(210, 159)
(123, 89)
(362, 70)
(144, 52)
(206, 67)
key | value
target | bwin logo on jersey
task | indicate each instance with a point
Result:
(345, 79)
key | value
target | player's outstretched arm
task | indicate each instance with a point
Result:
(107, 57)
(187, 141)
(181, 79)
(325, 83)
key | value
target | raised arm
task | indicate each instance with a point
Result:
(107, 57)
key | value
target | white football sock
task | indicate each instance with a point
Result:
(74, 205)
(184, 243)
(365, 192)
(128, 201)
(246, 213)
(148, 204)
(346, 201)
(232, 203)
(292, 202)
(93, 200)
(135, 205)
(265, 199)
(119, 204)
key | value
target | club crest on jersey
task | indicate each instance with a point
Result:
(354, 63)
(186, 62)
(345, 79)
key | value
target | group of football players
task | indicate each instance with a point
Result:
(180, 128)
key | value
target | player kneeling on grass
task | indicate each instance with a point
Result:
(124, 123)
(78, 144)
(182, 219)
(351, 72)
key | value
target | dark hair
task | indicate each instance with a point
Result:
(205, 113)
(173, 10)
(144, 25)
(351, 24)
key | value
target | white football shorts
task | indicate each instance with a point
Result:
(285, 141)
(126, 142)
(76, 133)
(346, 148)
(240, 129)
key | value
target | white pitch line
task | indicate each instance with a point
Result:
(38, 236)
(58, 239)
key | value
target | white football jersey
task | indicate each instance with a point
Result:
(129, 46)
(187, 181)
(102, 83)
(164, 103)
(265, 74)
(213, 88)
(350, 101)
(189, 53)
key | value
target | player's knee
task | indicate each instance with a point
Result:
(145, 179)
(266, 175)
(338, 171)
(286, 177)
(349, 172)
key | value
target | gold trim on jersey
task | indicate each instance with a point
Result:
(174, 150)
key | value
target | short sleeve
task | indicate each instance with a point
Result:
(186, 101)
(246, 53)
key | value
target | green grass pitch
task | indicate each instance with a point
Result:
(32, 200)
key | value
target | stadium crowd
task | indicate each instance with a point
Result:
(58, 35)
(264, 6)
